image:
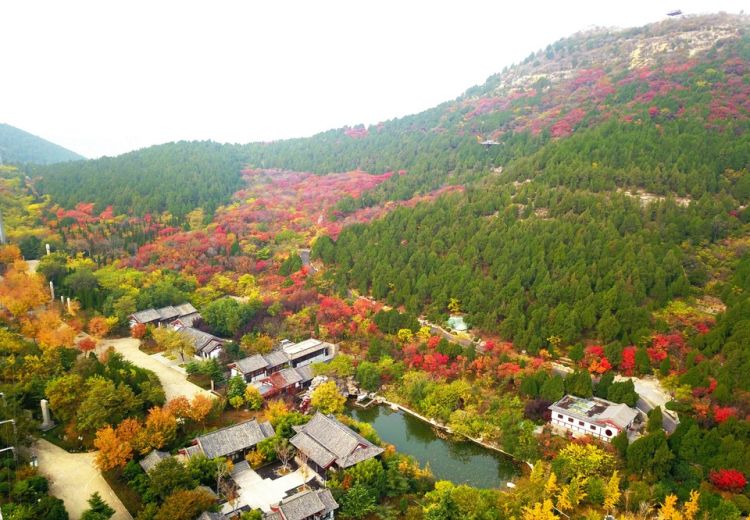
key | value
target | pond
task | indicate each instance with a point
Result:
(461, 462)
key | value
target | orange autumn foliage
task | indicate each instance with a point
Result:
(113, 453)
(21, 291)
(138, 331)
(200, 407)
(9, 253)
(49, 330)
(98, 327)
(160, 427)
(179, 407)
(131, 431)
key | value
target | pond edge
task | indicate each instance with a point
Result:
(435, 424)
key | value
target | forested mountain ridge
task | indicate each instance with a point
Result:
(608, 230)
(687, 71)
(630, 168)
(174, 177)
(692, 69)
(18, 147)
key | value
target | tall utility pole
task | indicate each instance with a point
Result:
(2, 229)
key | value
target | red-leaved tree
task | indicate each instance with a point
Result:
(728, 480)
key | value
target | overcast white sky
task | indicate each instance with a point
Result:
(105, 77)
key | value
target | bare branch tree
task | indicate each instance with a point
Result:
(284, 451)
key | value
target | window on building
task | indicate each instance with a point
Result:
(559, 416)
(570, 419)
(580, 423)
(592, 427)
(608, 432)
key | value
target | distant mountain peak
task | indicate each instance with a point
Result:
(618, 49)
(18, 146)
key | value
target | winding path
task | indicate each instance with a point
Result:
(74, 478)
(173, 381)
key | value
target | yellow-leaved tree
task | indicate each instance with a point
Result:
(405, 335)
(539, 511)
(327, 399)
(173, 342)
(612, 492)
(670, 511)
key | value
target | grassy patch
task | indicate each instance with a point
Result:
(149, 346)
(57, 437)
(127, 495)
(201, 380)
(231, 416)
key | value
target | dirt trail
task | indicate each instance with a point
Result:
(74, 478)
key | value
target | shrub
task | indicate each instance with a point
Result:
(728, 480)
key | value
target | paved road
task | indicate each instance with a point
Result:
(652, 394)
(31, 265)
(74, 478)
(464, 342)
(174, 382)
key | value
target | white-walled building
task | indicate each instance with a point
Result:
(286, 355)
(593, 416)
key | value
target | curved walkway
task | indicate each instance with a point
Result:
(74, 478)
(173, 382)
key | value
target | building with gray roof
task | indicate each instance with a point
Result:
(594, 416)
(208, 515)
(207, 346)
(233, 441)
(307, 505)
(164, 315)
(287, 355)
(329, 444)
(153, 458)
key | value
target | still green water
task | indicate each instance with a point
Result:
(461, 462)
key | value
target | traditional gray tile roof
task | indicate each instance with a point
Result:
(306, 373)
(325, 440)
(358, 456)
(208, 515)
(596, 410)
(314, 451)
(146, 316)
(276, 358)
(290, 375)
(326, 497)
(282, 355)
(202, 341)
(150, 461)
(191, 451)
(251, 364)
(267, 429)
(165, 313)
(621, 415)
(168, 313)
(234, 438)
(189, 319)
(186, 309)
(303, 505)
(212, 345)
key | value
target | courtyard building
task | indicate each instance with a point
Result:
(594, 416)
